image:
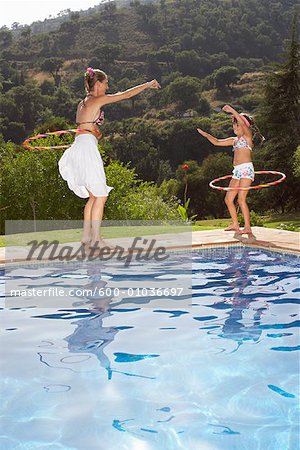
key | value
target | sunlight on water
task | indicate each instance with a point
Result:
(214, 371)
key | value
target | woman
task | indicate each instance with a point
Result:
(81, 164)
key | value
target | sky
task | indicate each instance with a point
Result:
(28, 11)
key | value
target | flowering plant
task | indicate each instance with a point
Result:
(183, 209)
(185, 167)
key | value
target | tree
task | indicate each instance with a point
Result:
(15, 25)
(204, 200)
(106, 53)
(280, 122)
(183, 92)
(47, 87)
(225, 77)
(188, 63)
(167, 55)
(63, 103)
(25, 37)
(15, 132)
(21, 105)
(153, 67)
(146, 12)
(53, 65)
(6, 38)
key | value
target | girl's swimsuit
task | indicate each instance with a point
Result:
(245, 170)
(240, 142)
(81, 165)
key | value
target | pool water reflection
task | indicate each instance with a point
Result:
(214, 371)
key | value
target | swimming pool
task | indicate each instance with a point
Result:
(216, 371)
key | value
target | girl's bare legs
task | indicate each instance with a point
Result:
(87, 220)
(96, 216)
(245, 182)
(229, 200)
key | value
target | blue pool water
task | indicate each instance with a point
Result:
(216, 371)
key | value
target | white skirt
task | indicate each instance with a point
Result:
(81, 166)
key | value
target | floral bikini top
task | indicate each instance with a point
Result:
(99, 121)
(240, 143)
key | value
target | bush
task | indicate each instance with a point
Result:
(162, 115)
(250, 102)
(37, 191)
(288, 227)
(296, 165)
(144, 203)
(255, 219)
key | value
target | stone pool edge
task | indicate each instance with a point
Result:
(266, 238)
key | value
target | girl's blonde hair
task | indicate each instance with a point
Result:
(91, 77)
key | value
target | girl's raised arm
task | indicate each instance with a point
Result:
(229, 109)
(215, 141)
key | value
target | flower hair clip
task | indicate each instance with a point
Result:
(90, 72)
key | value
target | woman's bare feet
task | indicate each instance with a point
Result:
(85, 241)
(245, 230)
(100, 243)
(233, 227)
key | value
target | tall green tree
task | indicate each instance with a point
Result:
(53, 65)
(280, 119)
(225, 77)
(183, 92)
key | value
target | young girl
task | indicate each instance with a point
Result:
(243, 171)
(81, 164)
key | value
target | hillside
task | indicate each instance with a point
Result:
(203, 53)
(244, 29)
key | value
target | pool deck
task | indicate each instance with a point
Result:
(272, 239)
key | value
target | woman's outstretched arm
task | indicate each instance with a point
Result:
(112, 98)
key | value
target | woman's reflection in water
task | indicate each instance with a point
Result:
(91, 336)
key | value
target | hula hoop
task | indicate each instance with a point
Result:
(54, 133)
(259, 186)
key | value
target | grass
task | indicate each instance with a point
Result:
(290, 221)
(274, 221)
(74, 235)
(211, 224)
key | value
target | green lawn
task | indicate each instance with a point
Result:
(203, 225)
(276, 221)
(279, 221)
(75, 235)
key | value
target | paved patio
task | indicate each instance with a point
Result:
(262, 237)
(277, 240)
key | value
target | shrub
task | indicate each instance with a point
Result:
(288, 227)
(255, 219)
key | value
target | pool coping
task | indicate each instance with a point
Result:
(282, 241)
